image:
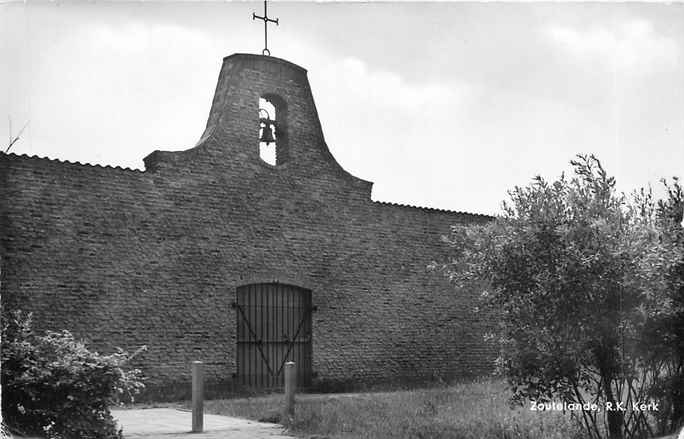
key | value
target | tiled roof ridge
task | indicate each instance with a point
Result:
(433, 209)
(69, 162)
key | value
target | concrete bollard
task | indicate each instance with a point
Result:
(197, 397)
(290, 388)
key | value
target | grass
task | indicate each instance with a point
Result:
(477, 410)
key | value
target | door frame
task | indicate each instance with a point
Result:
(245, 327)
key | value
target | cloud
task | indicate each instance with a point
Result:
(388, 89)
(632, 45)
(110, 71)
(391, 120)
(353, 90)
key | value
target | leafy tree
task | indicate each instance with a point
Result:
(582, 280)
(662, 342)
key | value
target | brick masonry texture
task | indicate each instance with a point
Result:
(129, 258)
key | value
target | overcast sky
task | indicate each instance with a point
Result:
(444, 105)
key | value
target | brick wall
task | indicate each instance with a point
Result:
(126, 258)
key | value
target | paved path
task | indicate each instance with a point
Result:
(169, 423)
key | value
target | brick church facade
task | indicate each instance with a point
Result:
(213, 254)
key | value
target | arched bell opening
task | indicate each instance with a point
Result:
(273, 130)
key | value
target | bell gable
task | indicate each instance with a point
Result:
(263, 121)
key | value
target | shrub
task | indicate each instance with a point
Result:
(53, 385)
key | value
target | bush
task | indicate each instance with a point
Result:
(53, 385)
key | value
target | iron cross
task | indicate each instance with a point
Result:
(266, 21)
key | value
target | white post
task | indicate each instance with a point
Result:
(197, 397)
(290, 387)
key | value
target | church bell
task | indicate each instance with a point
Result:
(268, 127)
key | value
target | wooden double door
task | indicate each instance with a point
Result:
(273, 327)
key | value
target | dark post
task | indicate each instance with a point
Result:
(290, 387)
(197, 397)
